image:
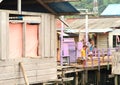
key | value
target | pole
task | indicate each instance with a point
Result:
(86, 34)
(86, 27)
(19, 6)
(116, 79)
(61, 52)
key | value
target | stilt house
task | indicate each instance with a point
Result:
(28, 40)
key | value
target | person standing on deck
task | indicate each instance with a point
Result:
(83, 54)
(91, 48)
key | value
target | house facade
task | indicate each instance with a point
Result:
(28, 47)
(101, 30)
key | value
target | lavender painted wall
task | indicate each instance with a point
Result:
(70, 49)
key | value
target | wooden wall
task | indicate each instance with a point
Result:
(105, 40)
(37, 69)
(116, 63)
(49, 36)
(102, 41)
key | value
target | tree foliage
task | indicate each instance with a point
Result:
(88, 4)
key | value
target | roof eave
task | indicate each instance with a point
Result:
(69, 13)
(50, 1)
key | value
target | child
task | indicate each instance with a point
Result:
(83, 54)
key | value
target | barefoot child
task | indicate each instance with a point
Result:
(83, 54)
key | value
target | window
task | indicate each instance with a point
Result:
(24, 40)
(15, 40)
(32, 40)
(116, 40)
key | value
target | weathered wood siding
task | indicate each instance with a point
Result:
(116, 63)
(106, 40)
(49, 36)
(102, 42)
(39, 69)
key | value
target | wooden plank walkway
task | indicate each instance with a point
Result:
(79, 68)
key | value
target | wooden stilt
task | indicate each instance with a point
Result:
(43, 84)
(24, 74)
(76, 79)
(116, 80)
(63, 75)
(98, 77)
(83, 78)
(86, 76)
(56, 83)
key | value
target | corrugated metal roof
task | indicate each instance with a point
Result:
(34, 6)
(63, 7)
(96, 23)
(111, 10)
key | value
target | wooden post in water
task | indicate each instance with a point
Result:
(76, 79)
(116, 80)
(98, 72)
(98, 60)
(108, 55)
(83, 78)
(86, 68)
(98, 77)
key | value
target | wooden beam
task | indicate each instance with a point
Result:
(76, 79)
(49, 1)
(19, 6)
(24, 40)
(24, 74)
(68, 13)
(53, 35)
(116, 79)
(4, 25)
(98, 77)
(47, 36)
(39, 40)
(65, 23)
(42, 34)
(46, 6)
(78, 13)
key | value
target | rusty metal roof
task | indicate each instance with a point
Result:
(99, 23)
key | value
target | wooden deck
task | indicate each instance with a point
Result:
(79, 68)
